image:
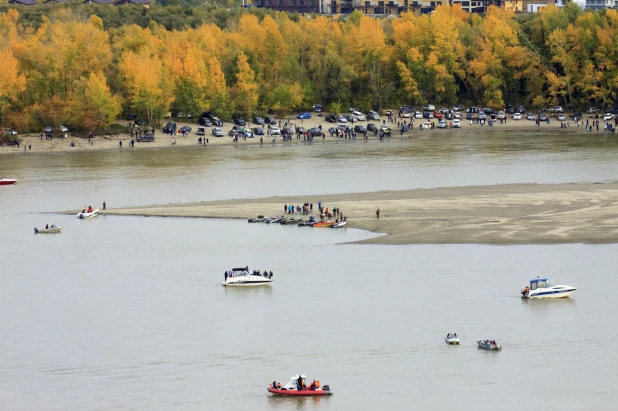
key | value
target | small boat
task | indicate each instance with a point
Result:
(270, 220)
(542, 288)
(308, 223)
(7, 181)
(294, 388)
(242, 277)
(258, 219)
(51, 230)
(289, 221)
(452, 339)
(339, 224)
(323, 224)
(88, 213)
(489, 345)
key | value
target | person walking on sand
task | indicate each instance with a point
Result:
(378, 213)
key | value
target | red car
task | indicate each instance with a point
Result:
(437, 114)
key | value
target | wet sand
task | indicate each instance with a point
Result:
(163, 141)
(501, 214)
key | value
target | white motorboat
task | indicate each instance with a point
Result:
(244, 277)
(542, 288)
(88, 213)
(51, 230)
(489, 345)
(452, 339)
(339, 224)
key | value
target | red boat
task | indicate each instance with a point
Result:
(323, 224)
(291, 388)
(7, 181)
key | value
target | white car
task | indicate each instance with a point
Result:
(405, 114)
(501, 115)
(457, 115)
(517, 116)
(63, 129)
(441, 124)
(275, 131)
(418, 114)
(561, 117)
(608, 116)
(384, 128)
(217, 132)
(373, 115)
(360, 116)
(342, 119)
(591, 110)
(429, 107)
(456, 123)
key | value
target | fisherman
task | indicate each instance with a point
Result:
(265, 273)
(278, 385)
(448, 335)
(270, 274)
(226, 276)
(46, 226)
(275, 384)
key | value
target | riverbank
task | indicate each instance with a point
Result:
(501, 214)
(33, 144)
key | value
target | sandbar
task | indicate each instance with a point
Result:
(496, 214)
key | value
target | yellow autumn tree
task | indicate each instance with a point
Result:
(11, 81)
(246, 88)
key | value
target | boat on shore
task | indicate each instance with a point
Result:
(452, 339)
(323, 224)
(288, 221)
(258, 219)
(7, 181)
(51, 230)
(489, 345)
(242, 277)
(542, 288)
(339, 224)
(297, 387)
(89, 212)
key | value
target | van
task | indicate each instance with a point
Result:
(429, 107)
(146, 138)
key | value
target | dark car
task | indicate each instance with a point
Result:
(236, 130)
(371, 127)
(577, 115)
(488, 111)
(521, 109)
(318, 108)
(141, 122)
(270, 120)
(257, 131)
(258, 120)
(315, 131)
(613, 110)
(215, 121)
(469, 116)
(169, 128)
(239, 121)
(542, 117)
(510, 110)
(131, 117)
(184, 129)
(146, 138)
(203, 121)
(360, 129)
(331, 118)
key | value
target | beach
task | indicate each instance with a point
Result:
(34, 144)
(501, 214)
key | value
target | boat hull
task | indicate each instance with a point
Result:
(489, 347)
(47, 230)
(451, 341)
(83, 215)
(294, 393)
(324, 224)
(247, 281)
(551, 294)
(7, 181)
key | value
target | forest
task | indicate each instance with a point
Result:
(84, 66)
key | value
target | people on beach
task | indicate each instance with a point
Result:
(378, 213)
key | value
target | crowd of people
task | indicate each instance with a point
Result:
(325, 212)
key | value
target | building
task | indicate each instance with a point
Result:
(110, 2)
(473, 6)
(514, 5)
(600, 4)
(54, 1)
(23, 2)
(299, 6)
(145, 3)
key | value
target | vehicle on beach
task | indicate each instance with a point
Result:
(426, 126)
(236, 130)
(297, 387)
(184, 129)
(418, 114)
(489, 345)
(517, 116)
(404, 114)
(304, 116)
(51, 230)
(351, 109)
(242, 277)
(7, 181)
(456, 123)
(351, 118)
(258, 131)
(384, 128)
(318, 108)
(373, 115)
(608, 116)
(201, 131)
(145, 138)
(452, 339)
(577, 116)
(88, 212)
(217, 132)
(270, 120)
(521, 109)
(591, 110)
(63, 129)
(315, 131)
(542, 117)
(542, 288)
(340, 224)
(342, 119)
(437, 114)
(344, 127)
(331, 118)
(239, 121)
(501, 115)
(530, 116)
(258, 120)
(441, 124)
(360, 129)
(561, 117)
(169, 128)
(372, 127)
(428, 115)
(429, 107)
(482, 116)
(203, 121)
(275, 131)
(360, 116)
(458, 108)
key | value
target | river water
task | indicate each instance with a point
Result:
(128, 313)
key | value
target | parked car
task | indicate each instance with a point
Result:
(11, 132)
(510, 109)
(384, 128)
(429, 107)
(557, 109)
(561, 117)
(275, 131)
(270, 120)
(613, 110)
(437, 114)
(258, 131)
(501, 115)
(389, 113)
(258, 120)
(318, 108)
(304, 116)
(131, 117)
(49, 129)
(577, 116)
(488, 111)
(444, 110)
(215, 121)
(217, 132)
(63, 129)
(469, 116)
(456, 123)
(203, 121)
(360, 116)
(373, 115)
(201, 131)
(608, 117)
(458, 108)
(517, 116)
(239, 121)
(521, 109)
(371, 127)
(331, 118)
(351, 109)
(482, 116)
(360, 129)
(184, 129)
(591, 110)
(473, 110)
(457, 115)
(342, 119)
(351, 118)
(542, 117)
(145, 138)
(344, 127)
(441, 124)
(247, 133)
(315, 131)
(530, 116)
(236, 130)
(428, 114)
(404, 114)
(418, 114)
(141, 122)
(169, 128)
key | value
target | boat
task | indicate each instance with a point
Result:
(489, 345)
(289, 221)
(308, 223)
(88, 213)
(258, 219)
(7, 181)
(269, 220)
(291, 389)
(339, 224)
(243, 277)
(51, 230)
(323, 224)
(452, 339)
(542, 288)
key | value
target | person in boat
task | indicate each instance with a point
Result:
(448, 335)
(312, 386)
(226, 276)
(278, 385)
(270, 274)
(265, 273)
(46, 226)
(526, 291)
(275, 384)
(455, 335)
(299, 383)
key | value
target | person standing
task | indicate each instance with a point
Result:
(378, 213)
(225, 276)
(104, 205)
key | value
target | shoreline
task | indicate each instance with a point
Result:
(163, 141)
(498, 214)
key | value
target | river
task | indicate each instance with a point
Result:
(128, 312)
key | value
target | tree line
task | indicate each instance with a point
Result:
(77, 66)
